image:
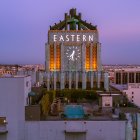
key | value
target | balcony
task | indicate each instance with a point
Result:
(3, 125)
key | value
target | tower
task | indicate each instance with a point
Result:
(73, 54)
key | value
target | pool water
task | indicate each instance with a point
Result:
(74, 111)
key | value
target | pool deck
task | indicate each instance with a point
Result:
(92, 109)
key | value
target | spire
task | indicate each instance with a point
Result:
(73, 21)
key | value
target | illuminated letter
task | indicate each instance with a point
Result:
(67, 37)
(61, 38)
(78, 37)
(72, 37)
(90, 37)
(84, 38)
(54, 38)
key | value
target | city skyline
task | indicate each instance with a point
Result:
(24, 27)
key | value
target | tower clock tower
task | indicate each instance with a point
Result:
(73, 55)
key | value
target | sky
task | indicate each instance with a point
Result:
(24, 26)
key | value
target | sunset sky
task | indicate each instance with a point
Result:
(24, 26)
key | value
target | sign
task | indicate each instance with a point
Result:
(72, 36)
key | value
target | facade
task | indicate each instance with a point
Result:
(127, 75)
(73, 55)
(75, 130)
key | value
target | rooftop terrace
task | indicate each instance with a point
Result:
(92, 112)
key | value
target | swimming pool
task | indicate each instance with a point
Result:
(74, 111)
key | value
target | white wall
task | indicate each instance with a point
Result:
(133, 90)
(13, 93)
(55, 130)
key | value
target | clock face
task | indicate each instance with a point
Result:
(73, 53)
(72, 58)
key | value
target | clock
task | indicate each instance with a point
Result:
(72, 58)
(73, 53)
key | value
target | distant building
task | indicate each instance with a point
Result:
(127, 75)
(8, 69)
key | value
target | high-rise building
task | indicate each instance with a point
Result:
(73, 55)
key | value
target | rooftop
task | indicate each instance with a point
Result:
(14, 76)
(92, 112)
(120, 87)
(95, 104)
(137, 69)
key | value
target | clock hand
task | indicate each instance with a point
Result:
(72, 55)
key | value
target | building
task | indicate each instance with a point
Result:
(73, 55)
(8, 70)
(131, 90)
(127, 80)
(13, 126)
(127, 75)
(133, 93)
(13, 98)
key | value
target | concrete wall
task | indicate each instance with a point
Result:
(55, 130)
(13, 94)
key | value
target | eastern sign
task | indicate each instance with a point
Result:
(72, 36)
